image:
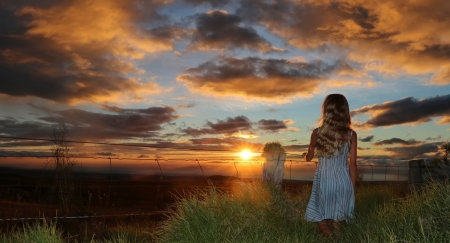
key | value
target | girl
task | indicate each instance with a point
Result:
(333, 193)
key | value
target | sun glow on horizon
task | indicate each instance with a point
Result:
(245, 154)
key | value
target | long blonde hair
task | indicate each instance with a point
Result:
(335, 125)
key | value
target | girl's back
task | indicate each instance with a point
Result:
(332, 196)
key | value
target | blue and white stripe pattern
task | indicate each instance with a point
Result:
(332, 196)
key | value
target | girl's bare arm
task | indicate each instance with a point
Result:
(353, 154)
(312, 145)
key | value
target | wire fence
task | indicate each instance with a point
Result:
(108, 186)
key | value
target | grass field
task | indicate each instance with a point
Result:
(258, 213)
(254, 212)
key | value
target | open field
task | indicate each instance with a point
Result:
(105, 202)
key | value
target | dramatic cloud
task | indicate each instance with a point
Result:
(217, 30)
(366, 139)
(6, 153)
(214, 3)
(238, 126)
(105, 154)
(387, 36)
(270, 79)
(438, 138)
(17, 128)
(56, 53)
(405, 111)
(271, 125)
(128, 120)
(229, 126)
(397, 141)
(412, 152)
(84, 125)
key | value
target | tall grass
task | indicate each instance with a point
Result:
(36, 233)
(43, 232)
(257, 212)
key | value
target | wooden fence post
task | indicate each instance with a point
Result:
(415, 177)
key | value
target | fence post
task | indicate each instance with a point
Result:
(290, 171)
(415, 177)
(371, 168)
(385, 173)
(110, 183)
(159, 183)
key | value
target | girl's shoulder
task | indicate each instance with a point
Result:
(352, 133)
(316, 130)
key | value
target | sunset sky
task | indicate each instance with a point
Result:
(199, 75)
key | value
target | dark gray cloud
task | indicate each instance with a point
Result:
(213, 141)
(128, 120)
(239, 125)
(366, 139)
(85, 125)
(47, 51)
(397, 141)
(17, 128)
(365, 30)
(271, 125)
(13, 144)
(217, 30)
(168, 34)
(105, 154)
(9, 153)
(227, 76)
(405, 111)
(213, 3)
(438, 138)
(228, 126)
(411, 152)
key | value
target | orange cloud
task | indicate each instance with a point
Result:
(102, 24)
(400, 37)
(256, 78)
(444, 120)
(82, 51)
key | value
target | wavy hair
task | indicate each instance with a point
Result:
(335, 126)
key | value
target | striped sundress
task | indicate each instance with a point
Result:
(332, 195)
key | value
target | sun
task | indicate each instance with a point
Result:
(245, 154)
